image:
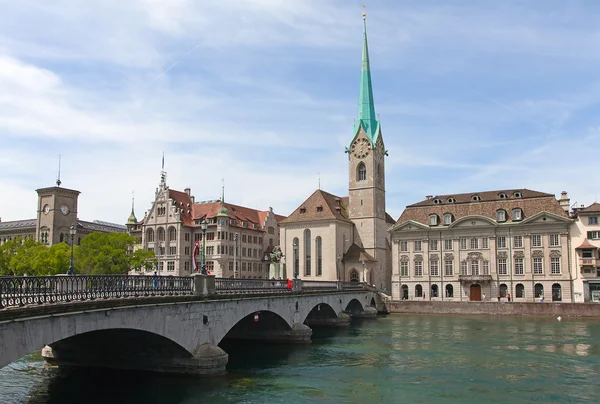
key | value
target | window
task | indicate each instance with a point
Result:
(418, 291)
(463, 243)
(319, 209)
(418, 268)
(502, 195)
(556, 293)
(587, 254)
(502, 266)
(501, 242)
(172, 250)
(210, 266)
(475, 267)
(447, 218)
(554, 240)
(538, 290)
(161, 234)
(517, 194)
(404, 246)
(593, 235)
(464, 268)
(403, 268)
(243, 251)
(449, 291)
(475, 198)
(362, 172)
(519, 267)
(503, 290)
(62, 237)
(210, 236)
(451, 200)
(187, 236)
(474, 243)
(501, 216)
(434, 268)
(448, 244)
(486, 267)
(433, 220)
(485, 243)
(150, 236)
(172, 234)
(434, 290)
(520, 291)
(417, 245)
(255, 238)
(448, 270)
(171, 266)
(244, 238)
(536, 240)
(516, 214)
(271, 230)
(433, 245)
(538, 266)
(319, 256)
(593, 220)
(302, 211)
(518, 241)
(354, 275)
(307, 252)
(555, 265)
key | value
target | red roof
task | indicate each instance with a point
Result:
(585, 245)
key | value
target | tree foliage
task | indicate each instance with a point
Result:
(20, 257)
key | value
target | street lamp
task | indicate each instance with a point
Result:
(296, 260)
(363, 271)
(72, 232)
(337, 267)
(203, 226)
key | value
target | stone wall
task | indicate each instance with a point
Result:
(495, 308)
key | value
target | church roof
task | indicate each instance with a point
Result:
(593, 208)
(357, 254)
(586, 245)
(18, 224)
(319, 206)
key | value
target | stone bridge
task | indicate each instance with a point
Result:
(173, 334)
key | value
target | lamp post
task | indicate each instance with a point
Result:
(72, 232)
(363, 271)
(235, 243)
(337, 267)
(296, 260)
(203, 226)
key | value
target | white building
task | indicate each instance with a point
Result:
(585, 240)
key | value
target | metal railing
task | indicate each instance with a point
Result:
(237, 285)
(27, 290)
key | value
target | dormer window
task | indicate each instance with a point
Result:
(475, 198)
(517, 214)
(302, 211)
(447, 218)
(502, 195)
(451, 200)
(433, 220)
(517, 194)
(319, 209)
(437, 201)
(501, 215)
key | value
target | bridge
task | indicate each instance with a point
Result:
(165, 324)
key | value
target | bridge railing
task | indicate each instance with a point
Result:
(354, 286)
(237, 285)
(315, 286)
(25, 290)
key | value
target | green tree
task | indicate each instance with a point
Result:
(27, 256)
(143, 260)
(108, 253)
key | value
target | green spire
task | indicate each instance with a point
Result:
(132, 219)
(366, 106)
(223, 211)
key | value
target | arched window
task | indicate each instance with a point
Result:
(161, 234)
(172, 234)
(539, 290)
(150, 236)
(418, 291)
(434, 290)
(556, 292)
(501, 215)
(295, 246)
(434, 220)
(353, 275)
(503, 290)
(404, 294)
(519, 290)
(307, 257)
(361, 172)
(319, 245)
(447, 218)
(517, 214)
(62, 237)
(449, 290)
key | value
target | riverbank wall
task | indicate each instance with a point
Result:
(495, 308)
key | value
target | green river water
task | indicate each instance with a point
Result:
(391, 359)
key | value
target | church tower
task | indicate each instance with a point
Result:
(366, 156)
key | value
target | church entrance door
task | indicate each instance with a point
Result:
(475, 295)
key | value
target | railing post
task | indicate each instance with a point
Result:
(204, 285)
(297, 285)
(340, 285)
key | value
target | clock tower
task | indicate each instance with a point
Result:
(56, 213)
(366, 155)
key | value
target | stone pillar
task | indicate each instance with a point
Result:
(367, 312)
(342, 320)
(297, 285)
(204, 285)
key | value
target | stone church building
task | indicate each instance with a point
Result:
(329, 237)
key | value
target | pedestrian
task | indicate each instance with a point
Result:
(423, 295)
(483, 297)
(541, 298)
(498, 298)
(155, 280)
(508, 297)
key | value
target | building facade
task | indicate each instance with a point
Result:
(484, 246)
(585, 239)
(57, 209)
(236, 243)
(345, 238)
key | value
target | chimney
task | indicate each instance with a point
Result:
(193, 199)
(564, 201)
(188, 191)
(428, 197)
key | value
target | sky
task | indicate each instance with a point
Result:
(472, 96)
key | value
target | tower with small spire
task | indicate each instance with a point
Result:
(366, 158)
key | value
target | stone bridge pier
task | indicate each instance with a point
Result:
(176, 337)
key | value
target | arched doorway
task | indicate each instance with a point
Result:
(449, 290)
(434, 290)
(418, 291)
(538, 290)
(404, 294)
(475, 293)
(556, 293)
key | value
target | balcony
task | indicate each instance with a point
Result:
(589, 261)
(475, 278)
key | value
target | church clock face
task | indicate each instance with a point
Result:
(46, 209)
(64, 210)
(360, 148)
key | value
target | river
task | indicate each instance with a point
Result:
(391, 359)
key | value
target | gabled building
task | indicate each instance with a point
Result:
(463, 247)
(345, 238)
(585, 239)
(236, 236)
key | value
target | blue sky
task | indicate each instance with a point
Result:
(472, 95)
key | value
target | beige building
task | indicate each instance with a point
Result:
(585, 240)
(494, 244)
(345, 238)
(236, 236)
(56, 213)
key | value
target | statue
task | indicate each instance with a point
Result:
(275, 266)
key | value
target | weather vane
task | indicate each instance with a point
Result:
(364, 12)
